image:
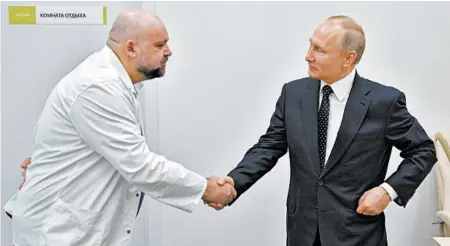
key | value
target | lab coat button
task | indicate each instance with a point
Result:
(128, 231)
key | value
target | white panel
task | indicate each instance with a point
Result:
(83, 14)
(229, 62)
(150, 91)
(1, 37)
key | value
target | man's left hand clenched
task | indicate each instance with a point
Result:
(373, 201)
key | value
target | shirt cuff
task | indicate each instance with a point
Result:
(392, 193)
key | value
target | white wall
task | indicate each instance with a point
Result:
(0, 117)
(34, 58)
(150, 104)
(229, 62)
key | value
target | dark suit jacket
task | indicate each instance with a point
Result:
(375, 119)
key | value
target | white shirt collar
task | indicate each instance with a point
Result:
(341, 88)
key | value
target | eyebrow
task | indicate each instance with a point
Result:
(311, 42)
(315, 44)
(162, 42)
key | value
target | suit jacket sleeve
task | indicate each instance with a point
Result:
(416, 148)
(263, 156)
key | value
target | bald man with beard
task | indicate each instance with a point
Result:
(90, 162)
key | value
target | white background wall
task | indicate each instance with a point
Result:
(229, 62)
(1, 139)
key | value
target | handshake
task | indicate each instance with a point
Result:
(219, 192)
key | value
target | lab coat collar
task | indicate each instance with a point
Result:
(123, 74)
(138, 86)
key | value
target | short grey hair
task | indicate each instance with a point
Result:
(353, 38)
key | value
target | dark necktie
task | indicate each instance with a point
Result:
(322, 116)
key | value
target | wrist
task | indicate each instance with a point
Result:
(386, 193)
(207, 190)
(389, 191)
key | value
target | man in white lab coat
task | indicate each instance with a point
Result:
(90, 161)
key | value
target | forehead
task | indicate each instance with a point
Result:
(157, 34)
(326, 35)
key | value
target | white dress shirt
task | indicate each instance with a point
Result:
(90, 163)
(338, 100)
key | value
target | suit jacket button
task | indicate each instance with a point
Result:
(316, 209)
(320, 182)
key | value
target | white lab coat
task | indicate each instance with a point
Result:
(90, 162)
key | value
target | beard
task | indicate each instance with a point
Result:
(151, 73)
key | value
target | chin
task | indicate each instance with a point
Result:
(313, 74)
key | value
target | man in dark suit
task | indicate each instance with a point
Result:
(339, 129)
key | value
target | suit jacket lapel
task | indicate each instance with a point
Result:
(354, 114)
(309, 107)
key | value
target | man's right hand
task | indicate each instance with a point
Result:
(222, 181)
(219, 194)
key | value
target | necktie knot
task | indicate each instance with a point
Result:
(326, 90)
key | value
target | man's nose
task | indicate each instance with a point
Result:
(308, 56)
(168, 52)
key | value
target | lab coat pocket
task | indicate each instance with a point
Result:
(70, 226)
(26, 232)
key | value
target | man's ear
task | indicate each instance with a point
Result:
(130, 48)
(350, 59)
